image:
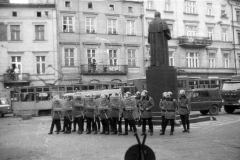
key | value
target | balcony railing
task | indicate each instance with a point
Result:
(104, 70)
(229, 71)
(15, 77)
(193, 41)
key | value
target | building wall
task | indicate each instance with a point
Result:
(28, 48)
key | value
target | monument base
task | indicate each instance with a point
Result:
(161, 79)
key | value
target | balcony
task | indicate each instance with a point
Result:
(207, 71)
(15, 77)
(195, 42)
(104, 70)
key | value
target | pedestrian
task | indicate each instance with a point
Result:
(162, 105)
(56, 112)
(129, 112)
(146, 104)
(116, 105)
(171, 109)
(184, 110)
(91, 112)
(104, 113)
(138, 98)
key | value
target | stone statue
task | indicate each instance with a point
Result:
(158, 36)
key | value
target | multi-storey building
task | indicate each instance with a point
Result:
(100, 41)
(205, 37)
(27, 44)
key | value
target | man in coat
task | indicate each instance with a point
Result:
(162, 105)
(91, 112)
(184, 110)
(146, 104)
(158, 36)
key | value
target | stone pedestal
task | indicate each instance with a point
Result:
(161, 79)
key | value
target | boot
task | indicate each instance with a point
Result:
(125, 133)
(50, 133)
(107, 133)
(143, 134)
(114, 133)
(171, 133)
(88, 132)
(74, 130)
(151, 133)
(119, 133)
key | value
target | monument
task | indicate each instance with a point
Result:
(160, 77)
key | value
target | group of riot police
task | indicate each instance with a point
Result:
(104, 114)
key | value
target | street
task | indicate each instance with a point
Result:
(209, 140)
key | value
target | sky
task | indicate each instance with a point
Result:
(18, 1)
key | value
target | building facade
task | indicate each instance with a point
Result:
(205, 41)
(27, 44)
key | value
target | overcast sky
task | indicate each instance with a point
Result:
(18, 1)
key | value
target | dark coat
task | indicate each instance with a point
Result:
(146, 105)
(183, 106)
(158, 36)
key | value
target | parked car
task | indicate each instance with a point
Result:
(5, 106)
(205, 100)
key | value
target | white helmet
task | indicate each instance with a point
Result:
(144, 93)
(128, 94)
(169, 94)
(165, 94)
(182, 92)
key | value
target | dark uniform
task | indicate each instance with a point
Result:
(91, 112)
(162, 105)
(56, 115)
(130, 113)
(184, 111)
(104, 113)
(78, 113)
(171, 107)
(115, 105)
(146, 104)
(67, 114)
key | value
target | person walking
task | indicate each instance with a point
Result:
(171, 109)
(184, 110)
(146, 104)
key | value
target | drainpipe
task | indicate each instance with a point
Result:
(233, 39)
(143, 39)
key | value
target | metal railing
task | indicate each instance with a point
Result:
(194, 40)
(104, 69)
(15, 77)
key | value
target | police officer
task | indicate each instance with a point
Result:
(67, 113)
(184, 110)
(78, 113)
(138, 98)
(91, 111)
(129, 112)
(171, 109)
(146, 105)
(56, 111)
(162, 105)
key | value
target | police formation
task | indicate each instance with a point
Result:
(104, 115)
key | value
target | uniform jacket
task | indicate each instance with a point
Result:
(183, 105)
(116, 107)
(146, 105)
(162, 105)
(103, 108)
(67, 108)
(56, 109)
(78, 107)
(130, 102)
(91, 107)
(171, 107)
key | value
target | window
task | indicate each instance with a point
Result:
(191, 31)
(130, 9)
(90, 25)
(90, 6)
(40, 61)
(67, 24)
(238, 34)
(15, 32)
(209, 9)
(16, 63)
(112, 26)
(211, 60)
(113, 57)
(67, 4)
(238, 16)
(210, 32)
(226, 60)
(131, 58)
(224, 35)
(150, 4)
(190, 6)
(69, 56)
(14, 14)
(39, 14)
(91, 55)
(111, 7)
(171, 58)
(170, 26)
(131, 27)
(192, 60)
(168, 5)
(223, 11)
(39, 33)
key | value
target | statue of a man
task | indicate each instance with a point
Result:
(158, 36)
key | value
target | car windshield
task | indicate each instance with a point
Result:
(231, 86)
(188, 94)
(3, 102)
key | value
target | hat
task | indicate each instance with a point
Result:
(169, 94)
(165, 94)
(138, 93)
(182, 92)
(144, 92)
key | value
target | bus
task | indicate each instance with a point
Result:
(184, 82)
(36, 100)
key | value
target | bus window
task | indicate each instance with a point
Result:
(15, 97)
(182, 84)
(215, 84)
(84, 88)
(193, 84)
(46, 89)
(98, 87)
(38, 89)
(105, 86)
(144, 85)
(76, 88)
(91, 87)
(24, 90)
(30, 89)
(69, 89)
(54, 89)
(27, 97)
(43, 96)
(61, 88)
